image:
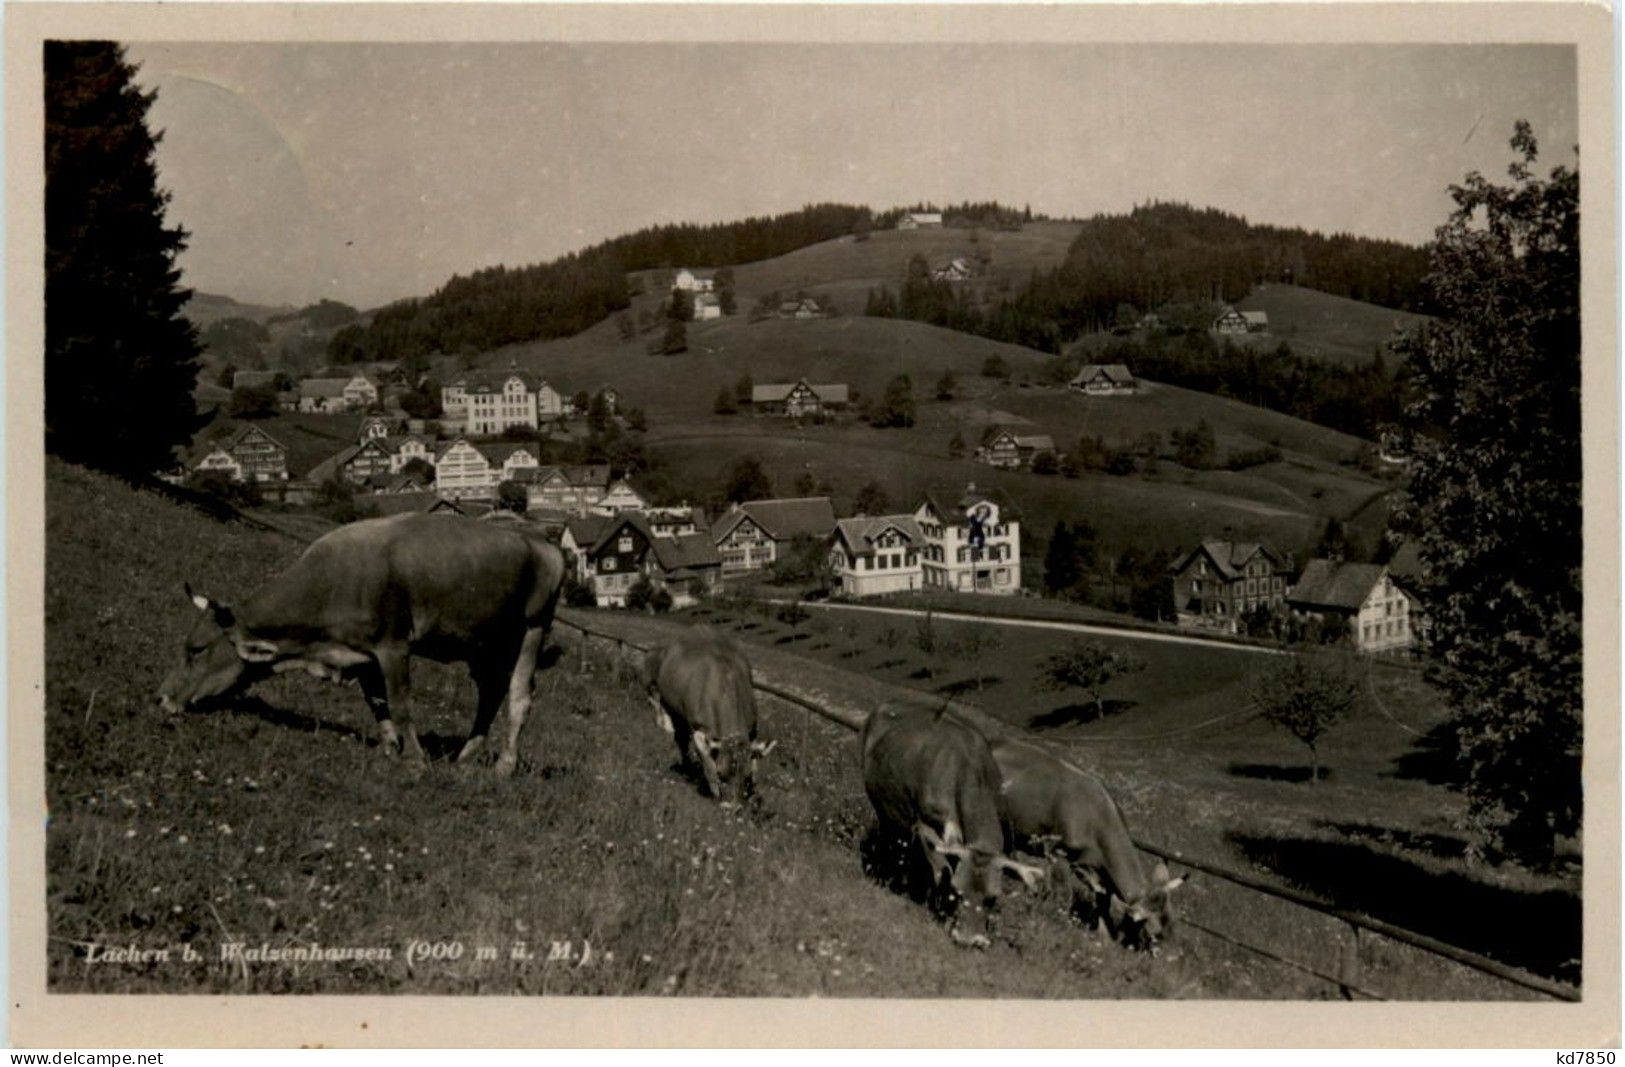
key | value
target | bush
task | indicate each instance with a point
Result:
(578, 594)
(1253, 457)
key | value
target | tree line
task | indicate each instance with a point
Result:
(507, 305)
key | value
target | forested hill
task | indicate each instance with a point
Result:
(503, 305)
(1173, 252)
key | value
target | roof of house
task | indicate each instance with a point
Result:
(244, 431)
(447, 445)
(1226, 312)
(782, 519)
(329, 467)
(1260, 318)
(492, 381)
(860, 532)
(775, 392)
(587, 530)
(1038, 442)
(1231, 556)
(323, 387)
(1329, 584)
(1113, 372)
(499, 452)
(955, 512)
(684, 552)
(925, 216)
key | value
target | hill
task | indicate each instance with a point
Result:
(204, 309)
(1324, 325)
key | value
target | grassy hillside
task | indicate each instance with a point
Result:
(205, 308)
(1324, 326)
(274, 821)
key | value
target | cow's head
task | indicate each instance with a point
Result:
(1146, 919)
(217, 658)
(729, 765)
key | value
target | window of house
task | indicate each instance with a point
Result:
(624, 544)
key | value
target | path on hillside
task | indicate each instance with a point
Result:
(1042, 624)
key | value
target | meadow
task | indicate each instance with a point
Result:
(275, 821)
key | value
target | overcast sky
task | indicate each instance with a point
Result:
(367, 173)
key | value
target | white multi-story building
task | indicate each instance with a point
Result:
(971, 545)
(875, 555)
(483, 404)
(461, 470)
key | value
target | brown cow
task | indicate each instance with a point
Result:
(365, 597)
(1048, 801)
(931, 777)
(699, 684)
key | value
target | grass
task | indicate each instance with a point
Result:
(1320, 325)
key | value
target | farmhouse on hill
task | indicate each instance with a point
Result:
(1233, 322)
(1104, 379)
(914, 220)
(1217, 583)
(803, 307)
(797, 399)
(707, 307)
(693, 282)
(957, 269)
(751, 535)
(1009, 450)
(1377, 612)
(482, 403)
(873, 555)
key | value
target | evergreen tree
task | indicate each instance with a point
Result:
(120, 361)
(747, 481)
(1061, 560)
(871, 500)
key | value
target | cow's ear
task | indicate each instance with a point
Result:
(1118, 909)
(254, 650)
(1159, 873)
(1174, 883)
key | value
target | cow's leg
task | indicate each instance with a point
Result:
(492, 683)
(395, 665)
(701, 745)
(377, 697)
(519, 689)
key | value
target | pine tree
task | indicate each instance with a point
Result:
(120, 362)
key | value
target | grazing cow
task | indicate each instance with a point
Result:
(365, 597)
(1048, 801)
(931, 777)
(699, 684)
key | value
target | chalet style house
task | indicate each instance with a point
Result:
(957, 269)
(370, 461)
(800, 308)
(1012, 451)
(972, 543)
(573, 490)
(618, 497)
(249, 455)
(1218, 582)
(706, 308)
(797, 399)
(482, 404)
(871, 556)
(750, 536)
(612, 552)
(915, 220)
(1377, 612)
(461, 470)
(1104, 379)
(1233, 322)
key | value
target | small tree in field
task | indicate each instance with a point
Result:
(1307, 694)
(1090, 667)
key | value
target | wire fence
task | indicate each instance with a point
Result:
(1347, 980)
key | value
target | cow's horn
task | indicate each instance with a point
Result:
(1029, 874)
(198, 599)
(1174, 883)
(761, 748)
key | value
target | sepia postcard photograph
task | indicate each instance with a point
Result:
(596, 524)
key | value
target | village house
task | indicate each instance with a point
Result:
(1103, 379)
(424, 503)
(957, 269)
(804, 307)
(462, 471)
(1012, 451)
(706, 308)
(693, 282)
(751, 536)
(972, 544)
(675, 521)
(872, 556)
(356, 464)
(569, 489)
(1376, 612)
(323, 396)
(407, 447)
(797, 399)
(248, 455)
(612, 552)
(376, 427)
(483, 404)
(1217, 583)
(619, 497)
(1233, 322)
(915, 220)
(507, 459)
